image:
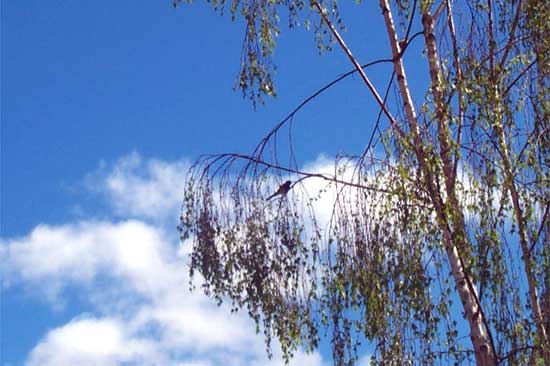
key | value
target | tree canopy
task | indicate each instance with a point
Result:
(436, 250)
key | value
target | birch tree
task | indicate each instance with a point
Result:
(437, 249)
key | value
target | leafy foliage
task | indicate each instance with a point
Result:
(261, 19)
(437, 231)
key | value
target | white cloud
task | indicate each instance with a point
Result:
(90, 341)
(151, 189)
(78, 253)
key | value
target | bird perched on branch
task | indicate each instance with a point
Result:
(282, 191)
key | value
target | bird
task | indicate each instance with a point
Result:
(283, 190)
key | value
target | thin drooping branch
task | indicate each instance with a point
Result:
(510, 186)
(491, 41)
(512, 35)
(302, 173)
(519, 77)
(263, 142)
(459, 81)
(541, 227)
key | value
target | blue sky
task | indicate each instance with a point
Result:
(104, 104)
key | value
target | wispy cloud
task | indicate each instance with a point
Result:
(143, 188)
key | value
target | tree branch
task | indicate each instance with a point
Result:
(355, 63)
(303, 173)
